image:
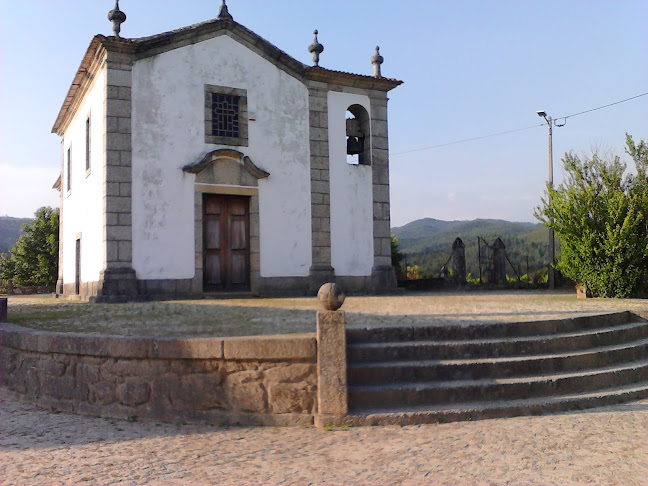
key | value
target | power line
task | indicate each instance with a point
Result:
(594, 109)
(469, 139)
(464, 140)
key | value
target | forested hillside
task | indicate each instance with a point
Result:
(10, 231)
(428, 243)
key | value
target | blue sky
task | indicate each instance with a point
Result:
(471, 68)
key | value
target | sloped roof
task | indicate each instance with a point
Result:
(144, 47)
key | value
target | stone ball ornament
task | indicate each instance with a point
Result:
(331, 296)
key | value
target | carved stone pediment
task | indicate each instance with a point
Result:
(227, 167)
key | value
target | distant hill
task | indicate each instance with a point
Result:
(10, 231)
(428, 242)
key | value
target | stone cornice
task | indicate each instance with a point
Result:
(91, 64)
(342, 78)
(215, 155)
(151, 46)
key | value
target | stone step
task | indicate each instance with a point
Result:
(461, 391)
(488, 330)
(495, 347)
(372, 373)
(495, 409)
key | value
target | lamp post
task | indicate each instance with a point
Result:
(552, 244)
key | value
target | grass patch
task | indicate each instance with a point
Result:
(161, 319)
(248, 317)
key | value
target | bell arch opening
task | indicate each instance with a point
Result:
(358, 135)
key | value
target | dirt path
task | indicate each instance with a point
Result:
(605, 446)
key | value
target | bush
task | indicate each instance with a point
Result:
(600, 214)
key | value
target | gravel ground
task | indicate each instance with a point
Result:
(605, 446)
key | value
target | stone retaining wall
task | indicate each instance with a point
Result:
(264, 380)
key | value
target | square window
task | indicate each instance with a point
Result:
(226, 115)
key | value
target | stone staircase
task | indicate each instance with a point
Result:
(432, 374)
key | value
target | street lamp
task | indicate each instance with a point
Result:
(552, 244)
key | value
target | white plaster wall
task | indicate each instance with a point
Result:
(83, 207)
(168, 133)
(352, 251)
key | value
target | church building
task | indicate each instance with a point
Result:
(206, 160)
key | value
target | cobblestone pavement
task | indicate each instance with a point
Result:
(604, 446)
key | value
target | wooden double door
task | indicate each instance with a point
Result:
(226, 242)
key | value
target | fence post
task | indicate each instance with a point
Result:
(332, 404)
(3, 309)
(459, 261)
(499, 262)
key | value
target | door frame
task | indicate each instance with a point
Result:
(227, 172)
(254, 264)
(225, 251)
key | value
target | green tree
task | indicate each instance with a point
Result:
(600, 213)
(397, 256)
(33, 260)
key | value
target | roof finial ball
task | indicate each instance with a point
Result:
(224, 14)
(377, 60)
(316, 49)
(117, 17)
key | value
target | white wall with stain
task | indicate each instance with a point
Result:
(352, 251)
(83, 206)
(169, 132)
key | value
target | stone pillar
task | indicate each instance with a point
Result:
(459, 261)
(3, 309)
(59, 280)
(321, 270)
(382, 274)
(332, 403)
(117, 279)
(499, 262)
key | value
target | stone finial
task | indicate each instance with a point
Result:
(316, 49)
(224, 14)
(331, 296)
(117, 17)
(377, 60)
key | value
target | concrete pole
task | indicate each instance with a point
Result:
(552, 241)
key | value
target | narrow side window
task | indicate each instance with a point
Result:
(88, 143)
(69, 169)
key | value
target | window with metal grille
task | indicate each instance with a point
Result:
(226, 115)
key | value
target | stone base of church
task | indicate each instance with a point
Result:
(318, 276)
(383, 279)
(114, 285)
(121, 285)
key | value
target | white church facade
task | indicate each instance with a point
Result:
(207, 160)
